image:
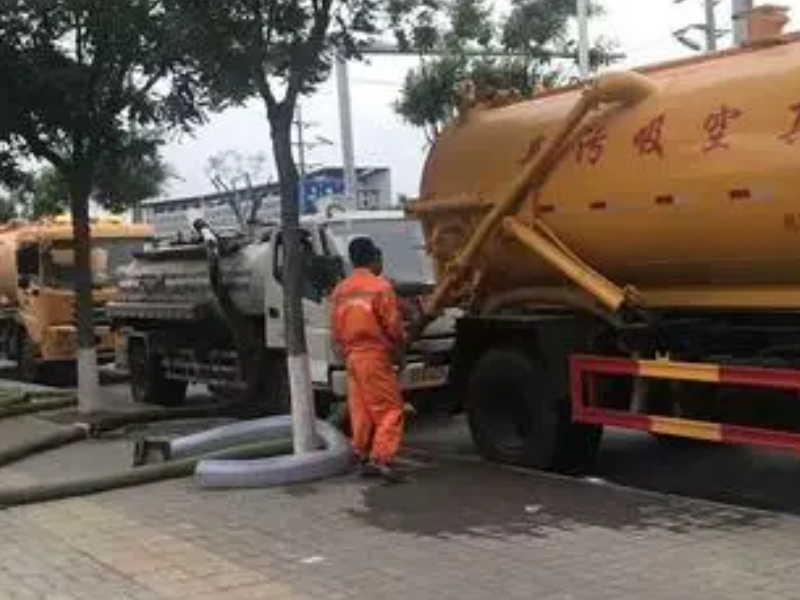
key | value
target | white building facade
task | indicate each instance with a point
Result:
(322, 188)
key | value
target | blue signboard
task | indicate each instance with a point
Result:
(319, 187)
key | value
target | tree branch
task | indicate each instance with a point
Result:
(39, 148)
(312, 47)
(260, 76)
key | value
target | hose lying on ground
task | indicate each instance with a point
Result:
(17, 396)
(25, 408)
(101, 422)
(334, 459)
(42, 492)
(52, 439)
(95, 425)
(245, 432)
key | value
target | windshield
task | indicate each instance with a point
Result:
(58, 263)
(402, 243)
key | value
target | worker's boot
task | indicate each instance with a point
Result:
(390, 473)
(369, 469)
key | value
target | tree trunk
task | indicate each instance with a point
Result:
(89, 399)
(296, 353)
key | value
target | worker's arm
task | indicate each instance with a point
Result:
(336, 328)
(391, 320)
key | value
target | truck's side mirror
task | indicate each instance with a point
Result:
(325, 272)
(23, 282)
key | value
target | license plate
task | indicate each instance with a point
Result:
(426, 376)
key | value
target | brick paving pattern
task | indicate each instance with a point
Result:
(462, 529)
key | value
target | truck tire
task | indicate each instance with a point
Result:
(277, 396)
(267, 392)
(516, 417)
(148, 383)
(28, 367)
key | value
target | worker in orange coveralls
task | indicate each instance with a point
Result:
(368, 329)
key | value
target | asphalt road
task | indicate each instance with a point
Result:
(737, 475)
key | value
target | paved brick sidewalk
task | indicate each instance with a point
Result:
(462, 529)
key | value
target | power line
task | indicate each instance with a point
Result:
(381, 48)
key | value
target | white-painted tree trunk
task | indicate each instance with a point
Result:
(304, 437)
(89, 397)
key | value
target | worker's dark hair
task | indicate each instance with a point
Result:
(363, 252)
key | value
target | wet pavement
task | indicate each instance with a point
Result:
(461, 528)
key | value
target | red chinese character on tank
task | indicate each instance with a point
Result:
(791, 136)
(648, 138)
(717, 125)
(592, 144)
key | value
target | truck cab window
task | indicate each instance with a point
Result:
(28, 261)
(309, 292)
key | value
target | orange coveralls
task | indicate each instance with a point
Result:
(368, 327)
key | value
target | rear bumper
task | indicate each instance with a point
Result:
(60, 343)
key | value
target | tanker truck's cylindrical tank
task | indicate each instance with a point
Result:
(181, 276)
(692, 195)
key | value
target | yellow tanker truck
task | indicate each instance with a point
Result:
(628, 252)
(37, 303)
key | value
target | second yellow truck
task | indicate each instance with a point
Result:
(37, 302)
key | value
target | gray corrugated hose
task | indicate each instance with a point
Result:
(335, 457)
(235, 434)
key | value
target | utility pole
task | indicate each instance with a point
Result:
(346, 124)
(711, 26)
(739, 14)
(583, 38)
(708, 28)
(302, 145)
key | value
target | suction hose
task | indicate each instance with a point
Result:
(335, 458)
(53, 439)
(16, 396)
(23, 403)
(246, 432)
(42, 492)
(96, 425)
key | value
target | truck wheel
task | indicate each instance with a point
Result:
(277, 396)
(516, 417)
(148, 383)
(267, 392)
(27, 359)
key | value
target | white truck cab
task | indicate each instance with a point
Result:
(406, 264)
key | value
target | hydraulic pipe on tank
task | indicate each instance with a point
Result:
(626, 88)
(608, 293)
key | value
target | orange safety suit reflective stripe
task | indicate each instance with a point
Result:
(368, 327)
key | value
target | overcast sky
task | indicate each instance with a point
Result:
(642, 29)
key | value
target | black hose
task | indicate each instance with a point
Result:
(103, 422)
(53, 439)
(15, 396)
(26, 408)
(42, 492)
(95, 425)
